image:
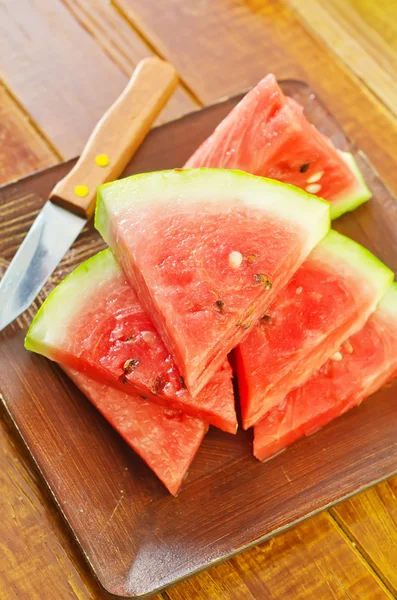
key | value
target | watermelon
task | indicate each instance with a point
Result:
(93, 322)
(365, 362)
(267, 134)
(165, 440)
(330, 297)
(207, 250)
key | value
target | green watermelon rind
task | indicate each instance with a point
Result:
(351, 199)
(58, 311)
(289, 202)
(362, 261)
(388, 304)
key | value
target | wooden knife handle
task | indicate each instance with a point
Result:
(117, 135)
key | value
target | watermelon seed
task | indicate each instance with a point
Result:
(182, 382)
(313, 188)
(315, 177)
(251, 310)
(144, 398)
(239, 322)
(131, 338)
(337, 356)
(299, 290)
(220, 305)
(123, 379)
(304, 168)
(235, 259)
(247, 325)
(348, 347)
(261, 278)
(265, 319)
(159, 384)
(130, 365)
(252, 258)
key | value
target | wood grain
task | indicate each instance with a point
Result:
(370, 520)
(229, 498)
(322, 565)
(32, 535)
(124, 46)
(22, 149)
(56, 70)
(224, 46)
(355, 42)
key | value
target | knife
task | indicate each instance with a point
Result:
(72, 202)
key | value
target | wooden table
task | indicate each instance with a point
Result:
(62, 62)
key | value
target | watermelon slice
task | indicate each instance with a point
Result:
(93, 322)
(329, 298)
(165, 440)
(267, 134)
(365, 362)
(207, 250)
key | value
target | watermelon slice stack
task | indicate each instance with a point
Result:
(329, 297)
(205, 260)
(365, 361)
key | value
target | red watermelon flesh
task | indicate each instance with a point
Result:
(329, 298)
(267, 134)
(165, 440)
(364, 363)
(94, 323)
(207, 250)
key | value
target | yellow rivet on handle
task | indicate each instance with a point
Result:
(81, 190)
(102, 160)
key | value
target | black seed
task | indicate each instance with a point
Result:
(158, 384)
(261, 278)
(131, 338)
(182, 382)
(123, 379)
(144, 398)
(265, 319)
(220, 305)
(130, 365)
(304, 168)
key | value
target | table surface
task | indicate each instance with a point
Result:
(61, 64)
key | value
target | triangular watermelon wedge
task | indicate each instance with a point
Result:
(166, 441)
(329, 298)
(267, 134)
(366, 361)
(207, 250)
(93, 322)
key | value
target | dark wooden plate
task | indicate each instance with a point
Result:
(135, 536)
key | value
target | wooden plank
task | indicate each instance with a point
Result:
(119, 40)
(355, 42)
(223, 46)
(61, 76)
(311, 561)
(370, 519)
(380, 16)
(38, 557)
(22, 149)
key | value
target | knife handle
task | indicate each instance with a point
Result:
(117, 136)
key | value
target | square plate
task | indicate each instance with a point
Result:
(136, 537)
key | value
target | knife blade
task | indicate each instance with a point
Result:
(71, 203)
